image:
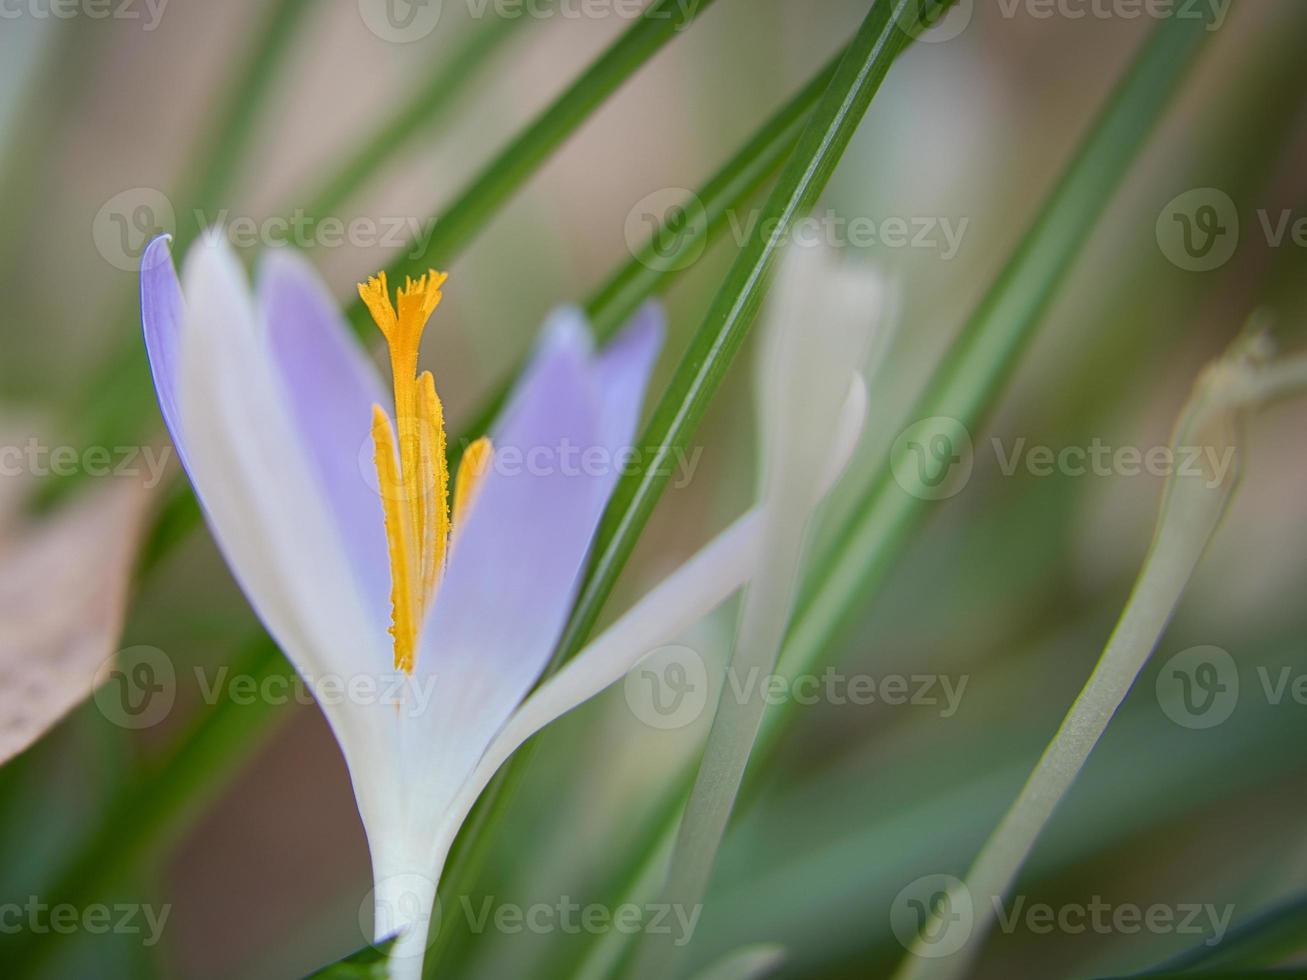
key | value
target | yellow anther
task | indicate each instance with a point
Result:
(399, 536)
(434, 466)
(471, 472)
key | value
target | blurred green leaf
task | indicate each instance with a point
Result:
(369, 963)
(1270, 938)
(427, 105)
(148, 811)
(120, 395)
(504, 176)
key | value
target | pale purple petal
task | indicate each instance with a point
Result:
(330, 387)
(161, 322)
(515, 566)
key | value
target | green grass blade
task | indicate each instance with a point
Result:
(967, 383)
(854, 80)
(735, 725)
(1269, 939)
(727, 323)
(977, 366)
(119, 396)
(419, 114)
(1227, 391)
(509, 170)
(220, 157)
(369, 963)
(669, 250)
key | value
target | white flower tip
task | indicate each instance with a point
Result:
(848, 433)
(822, 325)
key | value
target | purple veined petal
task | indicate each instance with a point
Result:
(330, 387)
(622, 374)
(516, 563)
(161, 322)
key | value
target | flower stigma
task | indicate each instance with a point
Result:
(412, 461)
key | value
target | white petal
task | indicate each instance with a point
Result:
(822, 322)
(260, 500)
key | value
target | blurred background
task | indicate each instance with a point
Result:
(1005, 597)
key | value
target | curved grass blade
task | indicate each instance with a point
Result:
(858, 77)
(419, 114)
(766, 606)
(517, 161)
(369, 963)
(1192, 508)
(1270, 938)
(967, 383)
(120, 394)
(668, 248)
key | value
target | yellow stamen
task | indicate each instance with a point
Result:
(471, 471)
(411, 463)
(399, 535)
(435, 466)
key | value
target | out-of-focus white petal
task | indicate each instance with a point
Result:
(820, 326)
(666, 612)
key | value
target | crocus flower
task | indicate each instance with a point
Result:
(329, 498)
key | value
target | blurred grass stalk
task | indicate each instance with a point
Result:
(966, 384)
(123, 398)
(887, 29)
(1246, 378)
(879, 41)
